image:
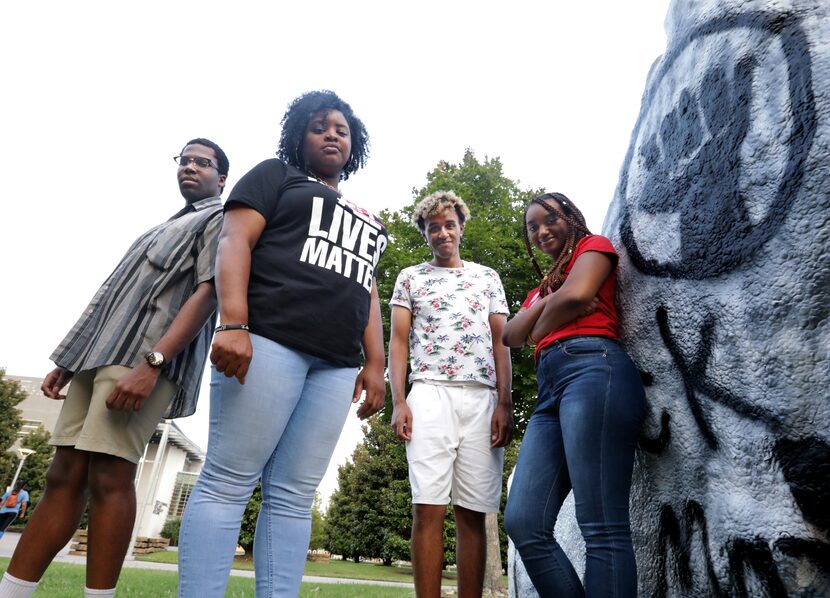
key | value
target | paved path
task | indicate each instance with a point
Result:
(9, 541)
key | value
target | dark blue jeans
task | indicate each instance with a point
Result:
(581, 437)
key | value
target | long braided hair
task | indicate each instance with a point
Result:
(577, 229)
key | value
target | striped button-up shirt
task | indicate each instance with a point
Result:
(139, 300)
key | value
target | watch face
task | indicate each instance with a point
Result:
(155, 359)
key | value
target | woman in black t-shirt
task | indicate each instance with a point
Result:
(297, 305)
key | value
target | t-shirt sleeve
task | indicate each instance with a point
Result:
(23, 496)
(382, 250)
(259, 188)
(401, 295)
(208, 244)
(600, 244)
(498, 302)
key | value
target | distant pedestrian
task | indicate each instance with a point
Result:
(13, 506)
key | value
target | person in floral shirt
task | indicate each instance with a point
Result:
(447, 317)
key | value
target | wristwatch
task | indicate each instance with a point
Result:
(154, 359)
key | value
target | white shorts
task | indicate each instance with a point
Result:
(450, 447)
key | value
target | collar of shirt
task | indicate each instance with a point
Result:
(198, 206)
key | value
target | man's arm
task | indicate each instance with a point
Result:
(232, 351)
(370, 378)
(398, 356)
(501, 424)
(133, 389)
(54, 383)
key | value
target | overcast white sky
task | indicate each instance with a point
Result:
(98, 96)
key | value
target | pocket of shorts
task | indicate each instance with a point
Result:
(584, 347)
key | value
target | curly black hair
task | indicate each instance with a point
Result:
(295, 122)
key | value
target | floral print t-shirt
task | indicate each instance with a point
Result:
(450, 338)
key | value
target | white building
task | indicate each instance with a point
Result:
(163, 484)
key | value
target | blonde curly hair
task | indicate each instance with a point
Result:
(436, 203)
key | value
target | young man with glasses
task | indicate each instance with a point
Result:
(135, 355)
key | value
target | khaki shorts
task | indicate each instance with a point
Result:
(87, 424)
(450, 448)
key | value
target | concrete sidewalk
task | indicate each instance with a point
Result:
(9, 541)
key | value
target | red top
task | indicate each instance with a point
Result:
(604, 321)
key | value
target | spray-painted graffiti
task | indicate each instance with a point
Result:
(805, 463)
(722, 219)
(686, 181)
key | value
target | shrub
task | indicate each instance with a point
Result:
(171, 530)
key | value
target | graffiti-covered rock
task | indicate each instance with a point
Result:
(722, 220)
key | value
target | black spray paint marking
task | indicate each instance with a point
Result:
(693, 372)
(694, 159)
(806, 466)
(746, 558)
(805, 463)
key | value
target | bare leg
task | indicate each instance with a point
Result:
(428, 549)
(111, 518)
(470, 552)
(56, 517)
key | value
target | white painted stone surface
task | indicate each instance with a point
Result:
(722, 220)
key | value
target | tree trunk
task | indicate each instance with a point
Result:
(492, 569)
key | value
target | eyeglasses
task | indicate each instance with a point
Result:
(184, 161)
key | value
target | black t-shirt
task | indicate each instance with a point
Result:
(313, 266)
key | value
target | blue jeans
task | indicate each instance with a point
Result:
(281, 426)
(581, 437)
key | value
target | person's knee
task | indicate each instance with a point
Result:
(516, 522)
(468, 521)
(428, 516)
(110, 475)
(68, 471)
(286, 496)
(225, 485)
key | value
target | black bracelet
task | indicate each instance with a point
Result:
(231, 327)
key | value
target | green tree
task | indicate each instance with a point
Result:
(11, 393)
(33, 473)
(492, 237)
(341, 518)
(246, 531)
(369, 514)
(318, 525)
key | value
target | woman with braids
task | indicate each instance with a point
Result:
(297, 306)
(590, 405)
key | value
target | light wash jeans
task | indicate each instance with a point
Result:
(282, 426)
(582, 437)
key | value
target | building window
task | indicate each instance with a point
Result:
(181, 493)
(29, 426)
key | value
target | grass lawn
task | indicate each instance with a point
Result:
(67, 581)
(340, 569)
